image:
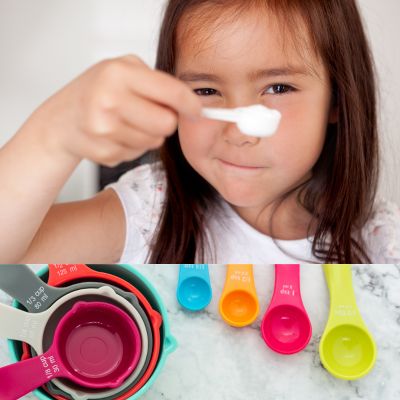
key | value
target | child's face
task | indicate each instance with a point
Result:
(224, 68)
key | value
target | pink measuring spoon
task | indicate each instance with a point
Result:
(286, 327)
(96, 345)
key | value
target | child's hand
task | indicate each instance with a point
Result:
(115, 111)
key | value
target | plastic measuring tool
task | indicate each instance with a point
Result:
(256, 120)
(238, 305)
(95, 345)
(26, 287)
(169, 344)
(347, 349)
(286, 327)
(194, 288)
(63, 274)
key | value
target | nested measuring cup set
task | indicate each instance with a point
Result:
(347, 349)
(82, 332)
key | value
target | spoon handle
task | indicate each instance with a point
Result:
(20, 325)
(220, 114)
(20, 282)
(287, 285)
(23, 377)
(240, 277)
(341, 290)
(339, 280)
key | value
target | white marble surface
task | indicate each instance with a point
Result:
(216, 361)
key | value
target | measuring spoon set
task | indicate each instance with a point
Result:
(347, 349)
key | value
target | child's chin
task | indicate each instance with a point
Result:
(243, 200)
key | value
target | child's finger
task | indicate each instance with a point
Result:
(146, 116)
(165, 89)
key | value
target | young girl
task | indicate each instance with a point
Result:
(215, 195)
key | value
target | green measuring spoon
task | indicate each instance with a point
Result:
(347, 349)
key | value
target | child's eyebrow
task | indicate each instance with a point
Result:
(280, 71)
(192, 76)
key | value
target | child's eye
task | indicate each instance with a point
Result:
(280, 89)
(205, 91)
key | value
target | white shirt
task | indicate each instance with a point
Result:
(142, 193)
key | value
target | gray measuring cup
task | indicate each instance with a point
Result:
(20, 282)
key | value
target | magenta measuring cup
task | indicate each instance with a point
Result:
(286, 327)
(96, 345)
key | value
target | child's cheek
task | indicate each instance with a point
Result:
(196, 134)
(299, 139)
(202, 129)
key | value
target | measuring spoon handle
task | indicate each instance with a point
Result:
(197, 270)
(20, 325)
(287, 285)
(339, 280)
(220, 114)
(20, 282)
(23, 377)
(240, 277)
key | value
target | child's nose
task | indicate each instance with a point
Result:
(232, 135)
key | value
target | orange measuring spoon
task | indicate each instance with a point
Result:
(238, 305)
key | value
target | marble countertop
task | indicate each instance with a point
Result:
(216, 361)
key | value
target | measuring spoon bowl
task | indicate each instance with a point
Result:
(194, 291)
(238, 304)
(286, 327)
(347, 349)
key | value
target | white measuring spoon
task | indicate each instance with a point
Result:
(256, 120)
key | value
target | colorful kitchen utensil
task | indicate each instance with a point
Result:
(347, 349)
(194, 288)
(36, 295)
(95, 345)
(62, 274)
(238, 305)
(131, 280)
(286, 327)
(43, 325)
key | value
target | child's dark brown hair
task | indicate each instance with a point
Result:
(341, 192)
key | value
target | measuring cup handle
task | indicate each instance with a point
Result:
(60, 274)
(19, 325)
(20, 282)
(23, 377)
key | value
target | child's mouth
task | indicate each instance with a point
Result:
(239, 166)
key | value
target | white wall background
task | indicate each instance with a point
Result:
(45, 43)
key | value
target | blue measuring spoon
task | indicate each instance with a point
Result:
(194, 288)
